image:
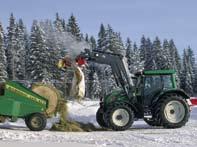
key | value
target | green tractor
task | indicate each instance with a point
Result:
(150, 95)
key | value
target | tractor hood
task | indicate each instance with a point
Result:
(116, 95)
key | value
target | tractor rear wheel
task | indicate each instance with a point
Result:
(119, 117)
(36, 122)
(100, 118)
(173, 111)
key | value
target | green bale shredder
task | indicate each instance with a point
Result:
(17, 101)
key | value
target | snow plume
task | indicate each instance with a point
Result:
(58, 38)
(70, 44)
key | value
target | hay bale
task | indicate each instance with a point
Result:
(50, 93)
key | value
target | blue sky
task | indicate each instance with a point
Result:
(175, 19)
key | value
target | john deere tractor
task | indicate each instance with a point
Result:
(150, 95)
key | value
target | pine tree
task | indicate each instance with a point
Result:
(192, 61)
(87, 38)
(108, 80)
(160, 56)
(129, 51)
(175, 60)
(113, 42)
(59, 25)
(96, 87)
(101, 37)
(53, 45)
(166, 55)
(73, 27)
(186, 74)
(10, 48)
(136, 63)
(93, 42)
(149, 62)
(38, 65)
(143, 51)
(3, 72)
(20, 51)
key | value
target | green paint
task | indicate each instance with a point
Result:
(19, 101)
(159, 72)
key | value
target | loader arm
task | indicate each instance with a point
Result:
(119, 68)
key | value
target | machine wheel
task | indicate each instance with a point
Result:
(36, 122)
(100, 118)
(173, 111)
(119, 117)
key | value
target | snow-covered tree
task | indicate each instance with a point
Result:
(175, 60)
(149, 62)
(93, 42)
(129, 51)
(38, 65)
(54, 46)
(186, 73)
(143, 50)
(101, 37)
(192, 61)
(160, 56)
(95, 91)
(3, 72)
(10, 48)
(86, 38)
(73, 27)
(166, 55)
(59, 25)
(113, 42)
(20, 50)
(136, 63)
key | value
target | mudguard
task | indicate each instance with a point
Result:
(178, 91)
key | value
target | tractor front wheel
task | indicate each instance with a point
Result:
(100, 118)
(119, 117)
(36, 122)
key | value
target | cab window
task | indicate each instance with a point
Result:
(167, 80)
(152, 83)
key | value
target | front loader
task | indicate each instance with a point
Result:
(150, 95)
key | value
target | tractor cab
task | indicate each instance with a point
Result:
(151, 83)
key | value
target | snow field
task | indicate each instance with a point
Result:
(139, 135)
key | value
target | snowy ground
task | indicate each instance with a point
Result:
(139, 135)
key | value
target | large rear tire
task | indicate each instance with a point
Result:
(100, 118)
(173, 111)
(119, 117)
